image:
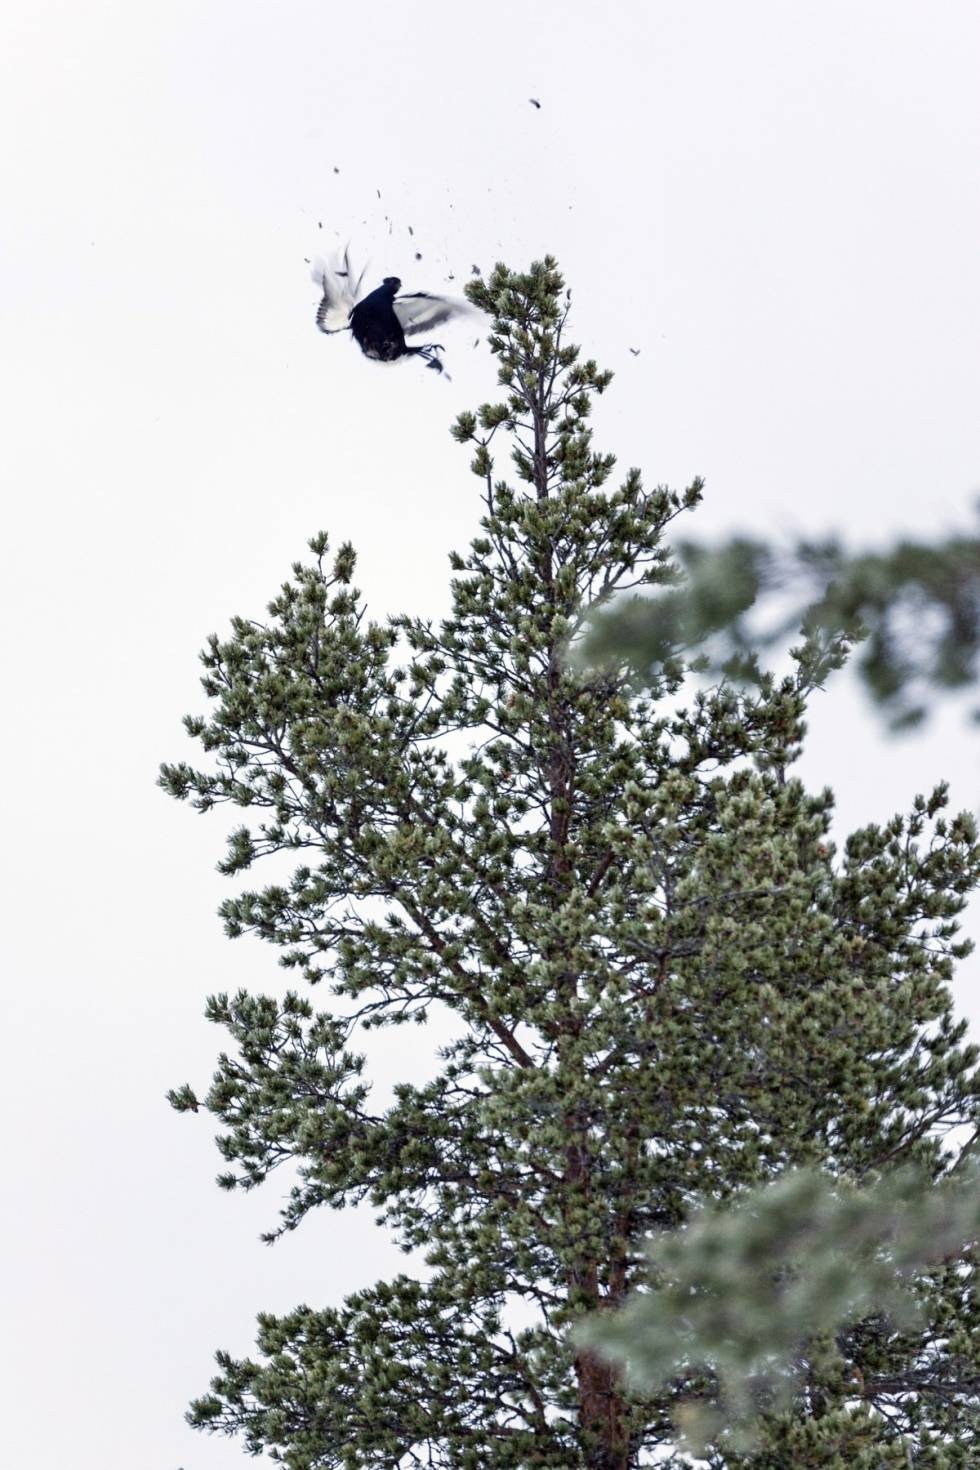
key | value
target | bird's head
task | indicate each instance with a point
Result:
(393, 284)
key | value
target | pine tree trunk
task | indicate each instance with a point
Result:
(603, 1419)
(602, 1415)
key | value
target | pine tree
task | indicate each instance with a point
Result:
(667, 985)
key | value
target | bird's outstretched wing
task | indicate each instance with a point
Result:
(419, 312)
(341, 287)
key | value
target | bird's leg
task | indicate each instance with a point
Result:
(429, 352)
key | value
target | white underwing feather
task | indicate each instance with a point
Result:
(419, 312)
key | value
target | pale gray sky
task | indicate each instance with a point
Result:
(778, 204)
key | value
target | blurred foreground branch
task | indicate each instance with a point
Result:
(917, 605)
(754, 1302)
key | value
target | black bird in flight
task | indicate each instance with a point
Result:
(381, 320)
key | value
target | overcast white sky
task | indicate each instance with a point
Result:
(778, 204)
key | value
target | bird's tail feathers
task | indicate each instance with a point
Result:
(340, 287)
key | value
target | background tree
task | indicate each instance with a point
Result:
(666, 984)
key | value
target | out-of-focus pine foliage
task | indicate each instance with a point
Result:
(916, 605)
(765, 1294)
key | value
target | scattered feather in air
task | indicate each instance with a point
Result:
(474, 270)
(418, 255)
(378, 192)
(381, 320)
(319, 224)
(336, 170)
(635, 351)
(410, 230)
(535, 103)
